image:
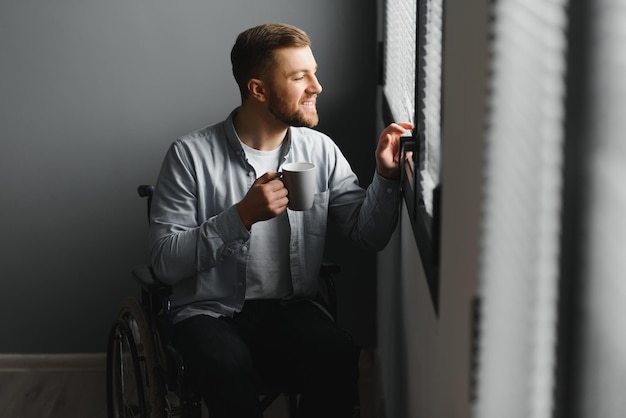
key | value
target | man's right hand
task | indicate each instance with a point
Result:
(266, 199)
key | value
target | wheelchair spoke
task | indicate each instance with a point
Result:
(134, 389)
(126, 402)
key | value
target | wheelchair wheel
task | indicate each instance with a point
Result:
(134, 386)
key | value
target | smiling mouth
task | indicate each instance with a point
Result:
(309, 101)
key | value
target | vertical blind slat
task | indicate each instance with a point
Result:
(518, 281)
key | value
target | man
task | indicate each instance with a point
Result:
(243, 268)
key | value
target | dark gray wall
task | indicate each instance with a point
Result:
(91, 95)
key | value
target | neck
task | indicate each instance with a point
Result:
(257, 129)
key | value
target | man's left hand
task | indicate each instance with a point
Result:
(387, 164)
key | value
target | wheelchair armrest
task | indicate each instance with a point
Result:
(143, 275)
(146, 278)
(155, 296)
(329, 268)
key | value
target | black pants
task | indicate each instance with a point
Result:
(293, 345)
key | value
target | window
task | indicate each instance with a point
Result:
(413, 51)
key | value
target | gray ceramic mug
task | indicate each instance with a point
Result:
(299, 179)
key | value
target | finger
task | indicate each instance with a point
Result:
(281, 204)
(402, 125)
(389, 139)
(399, 128)
(278, 205)
(275, 185)
(267, 177)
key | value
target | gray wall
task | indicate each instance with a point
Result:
(91, 95)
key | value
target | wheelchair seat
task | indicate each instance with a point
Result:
(146, 375)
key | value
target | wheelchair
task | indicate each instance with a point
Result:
(146, 375)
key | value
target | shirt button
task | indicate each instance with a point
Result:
(389, 190)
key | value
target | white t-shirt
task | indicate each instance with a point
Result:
(268, 275)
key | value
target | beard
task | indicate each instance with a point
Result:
(297, 118)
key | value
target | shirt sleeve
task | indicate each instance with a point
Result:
(368, 217)
(180, 246)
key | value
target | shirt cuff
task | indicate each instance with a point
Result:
(385, 187)
(231, 228)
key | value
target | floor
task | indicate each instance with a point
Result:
(73, 386)
(58, 386)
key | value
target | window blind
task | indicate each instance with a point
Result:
(432, 101)
(399, 83)
(400, 54)
(518, 279)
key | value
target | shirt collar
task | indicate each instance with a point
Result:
(235, 144)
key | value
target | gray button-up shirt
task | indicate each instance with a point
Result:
(198, 243)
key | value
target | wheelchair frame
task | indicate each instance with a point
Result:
(146, 375)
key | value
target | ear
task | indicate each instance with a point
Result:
(257, 89)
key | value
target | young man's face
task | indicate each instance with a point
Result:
(293, 87)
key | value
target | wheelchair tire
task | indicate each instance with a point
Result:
(135, 388)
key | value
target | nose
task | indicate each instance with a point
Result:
(315, 86)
